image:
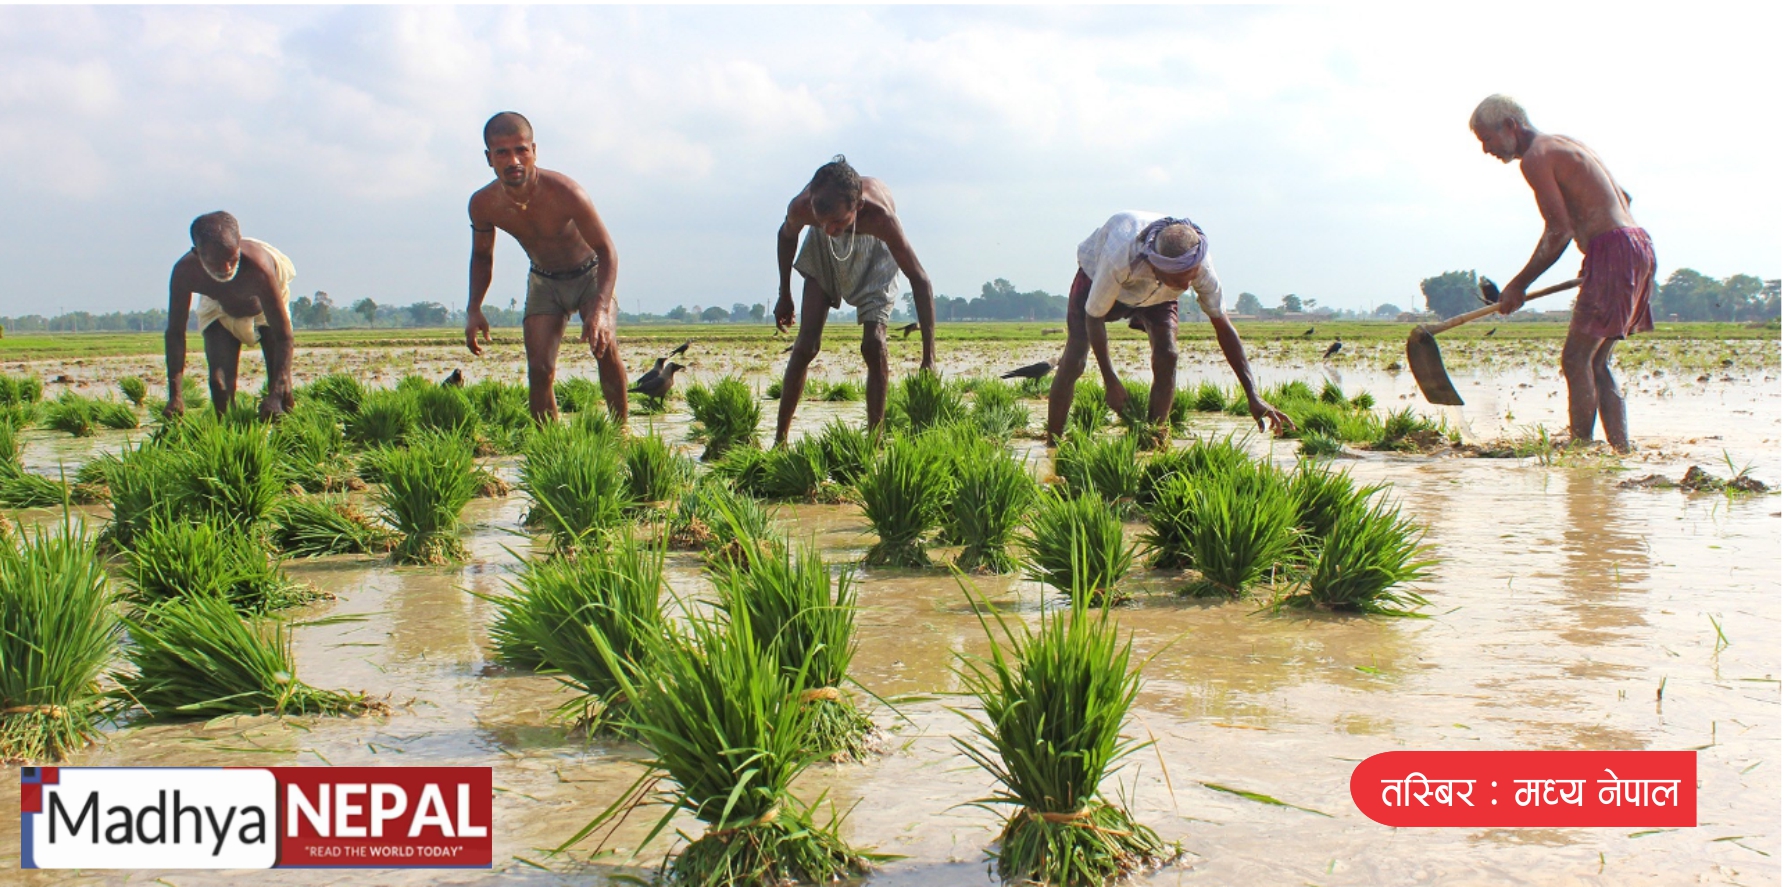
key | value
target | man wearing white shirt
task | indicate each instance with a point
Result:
(1135, 268)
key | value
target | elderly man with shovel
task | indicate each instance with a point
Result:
(1580, 202)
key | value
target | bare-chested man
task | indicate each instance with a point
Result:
(573, 263)
(243, 287)
(853, 254)
(1135, 268)
(1580, 202)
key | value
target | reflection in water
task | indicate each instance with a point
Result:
(1605, 560)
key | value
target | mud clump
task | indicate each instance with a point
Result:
(1696, 480)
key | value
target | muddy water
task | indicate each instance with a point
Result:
(1560, 605)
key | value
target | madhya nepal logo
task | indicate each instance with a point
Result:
(240, 818)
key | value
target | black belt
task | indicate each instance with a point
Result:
(571, 274)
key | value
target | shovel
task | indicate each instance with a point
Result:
(1426, 361)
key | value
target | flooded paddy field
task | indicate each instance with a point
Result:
(1565, 613)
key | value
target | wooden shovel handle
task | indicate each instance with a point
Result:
(1485, 310)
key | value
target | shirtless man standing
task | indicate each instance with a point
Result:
(243, 287)
(1580, 202)
(853, 253)
(573, 263)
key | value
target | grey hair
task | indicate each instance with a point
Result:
(1496, 109)
(1177, 240)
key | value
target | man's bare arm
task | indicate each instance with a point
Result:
(922, 292)
(1557, 230)
(598, 319)
(1234, 349)
(179, 307)
(278, 343)
(483, 263)
(786, 245)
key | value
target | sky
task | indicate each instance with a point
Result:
(1324, 149)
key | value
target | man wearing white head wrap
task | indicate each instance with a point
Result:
(1135, 267)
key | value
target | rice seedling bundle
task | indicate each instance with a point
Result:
(788, 600)
(1053, 707)
(577, 484)
(1370, 550)
(725, 416)
(426, 487)
(903, 492)
(1240, 525)
(338, 390)
(728, 735)
(412, 383)
(22, 489)
(116, 416)
(500, 404)
(182, 560)
(1109, 467)
(1290, 392)
(996, 411)
(444, 409)
(991, 500)
(1139, 404)
(718, 520)
(795, 471)
(1321, 496)
(72, 414)
(1182, 405)
(1074, 543)
(577, 394)
(773, 392)
(1318, 445)
(1089, 411)
(305, 526)
(1238, 404)
(10, 447)
(844, 392)
(1169, 518)
(1033, 388)
(134, 388)
(234, 474)
(929, 401)
(557, 609)
(596, 423)
(198, 658)
(384, 419)
(847, 450)
(654, 471)
(58, 632)
(1363, 401)
(18, 415)
(1331, 393)
(745, 468)
(1405, 430)
(1208, 398)
(312, 449)
(20, 390)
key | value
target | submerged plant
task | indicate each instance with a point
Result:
(577, 484)
(725, 416)
(306, 526)
(1074, 543)
(991, 499)
(1053, 706)
(426, 487)
(903, 493)
(58, 632)
(1370, 551)
(198, 658)
(173, 559)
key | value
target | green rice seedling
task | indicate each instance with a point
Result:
(1370, 551)
(149, 482)
(645, 405)
(384, 419)
(304, 526)
(198, 658)
(92, 481)
(338, 390)
(796, 472)
(1321, 495)
(1139, 403)
(20, 390)
(18, 415)
(500, 404)
(725, 416)
(844, 392)
(903, 492)
(1074, 543)
(413, 383)
(1089, 411)
(996, 410)
(718, 520)
(1290, 392)
(444, 409)
(773, 391)
(312, 449)
(1332, 394)
(577, 394)
(58, 632)
(596, 423)
(1033, 388)
(22, 489)
(847, 450)
(788, 599)
(1208, 398)
(72, 414)
(134, 388)
(654, 471)
(426, 487)
(1238, 404)
(1319, 446)
(929, 401)
(184, 560)
(1109, 467)
(1169, 519)
(991, 499)
(10, 447)
(1053, 704)
(1408, 431)
(577, 483)
(1182, 405)
(1363, 401)
(746, 469)
(728, 734)
(1241, 524)
(234, 475)
(559, 606)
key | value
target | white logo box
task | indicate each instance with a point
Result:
(130, 817)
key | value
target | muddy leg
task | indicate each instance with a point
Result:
(814, 309)
(1164, 371)
(222, 354)
(879, 372)
(1582, 389)
(613, 384)
(1065, 376)
(1610, 398)
(543, 334)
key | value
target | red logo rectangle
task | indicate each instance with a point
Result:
(1528, 789)
(384, 817)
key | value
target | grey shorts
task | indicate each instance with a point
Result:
(559, 295)
(866, 277)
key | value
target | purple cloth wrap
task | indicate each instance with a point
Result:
(1172, 264)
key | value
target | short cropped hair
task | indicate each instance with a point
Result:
(507, 123)
(1176, 240)
(1496, 109)
(217, 228)
(835, 184)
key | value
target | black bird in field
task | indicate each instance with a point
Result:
(1308, 333)
(651, 373)
(656, 385)
(1490, 333)
(1032, 371)
(787, 349)
(681, 349)
(907, 329)
(456, 380)
(1336, 347)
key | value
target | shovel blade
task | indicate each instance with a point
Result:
(1426, 361)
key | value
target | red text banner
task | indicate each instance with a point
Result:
(1528, 789)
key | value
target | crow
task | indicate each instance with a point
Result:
(908, 328)
(1308, 333)
(1032, 371)
(681, 349)
(456, 380)
(656, 386)
(787, 349)
(1336, 347)
(1490, 333)
(652, 373)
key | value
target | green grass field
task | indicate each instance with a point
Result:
(41, 346)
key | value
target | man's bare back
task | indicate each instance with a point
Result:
(878, 216)
(243, 285)
(1594, 202)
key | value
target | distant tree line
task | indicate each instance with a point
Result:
(1686, 295)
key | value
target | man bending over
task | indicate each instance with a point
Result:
(243, 286)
